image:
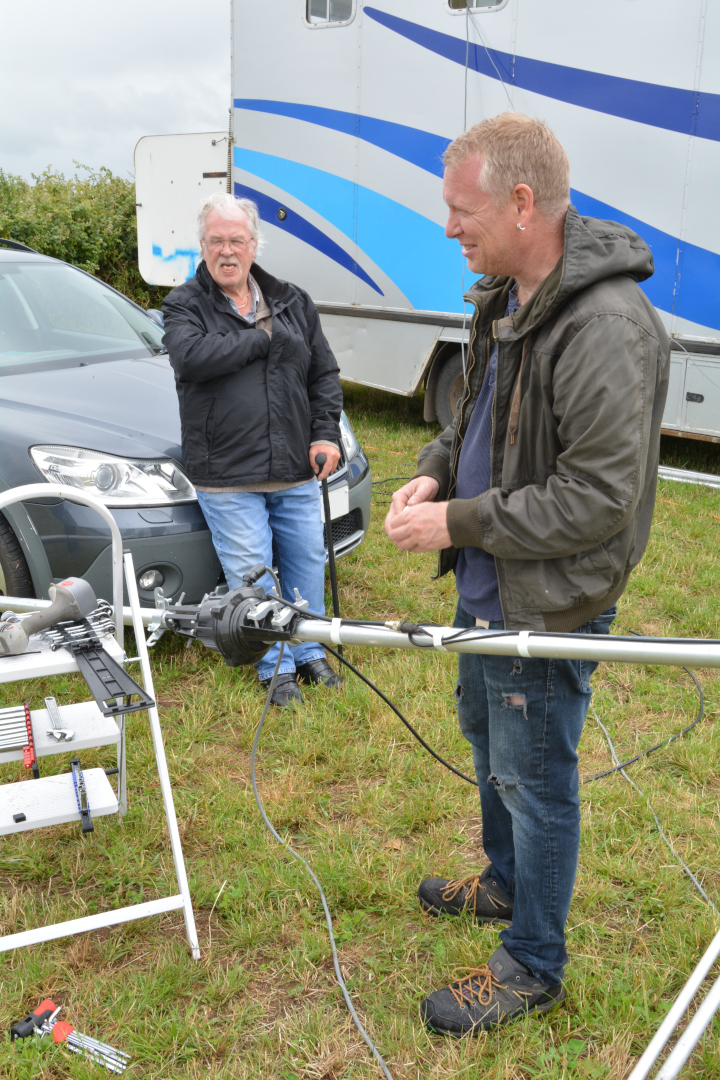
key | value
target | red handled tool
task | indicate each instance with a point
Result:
(29, 749)
(34, 1021)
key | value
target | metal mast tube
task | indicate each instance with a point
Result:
(691, 653)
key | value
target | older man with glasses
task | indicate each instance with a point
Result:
(260, 398)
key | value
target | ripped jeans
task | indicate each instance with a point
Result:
(523, 719)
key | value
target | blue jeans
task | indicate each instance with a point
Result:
(244, 525)
(525, 757)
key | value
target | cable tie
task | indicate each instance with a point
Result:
(523, 638)
(437, 636)
(335, 625)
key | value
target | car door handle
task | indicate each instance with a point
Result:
(695, 397)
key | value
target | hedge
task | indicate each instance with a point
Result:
(88, 220)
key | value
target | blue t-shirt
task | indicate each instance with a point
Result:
(475, 573)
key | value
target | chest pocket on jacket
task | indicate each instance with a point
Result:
(295, 349)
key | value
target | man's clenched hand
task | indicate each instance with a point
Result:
(333, 457)
(416, 523)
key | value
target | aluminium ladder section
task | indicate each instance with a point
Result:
(46, 662)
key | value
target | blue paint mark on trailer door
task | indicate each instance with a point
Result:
(190, 256)
(668, 107)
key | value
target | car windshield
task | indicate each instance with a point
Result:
(52, 314)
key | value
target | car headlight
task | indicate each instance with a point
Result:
(350, 443)
(115, 481)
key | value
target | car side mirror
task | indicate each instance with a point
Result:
(156, 316)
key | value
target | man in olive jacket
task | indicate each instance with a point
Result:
(260, 398)
(540, 496)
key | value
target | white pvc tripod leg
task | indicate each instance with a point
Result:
(122, 769)
(671, 1021)
(691, 1035)
(160, 757)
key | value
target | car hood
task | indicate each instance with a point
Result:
(126, 407)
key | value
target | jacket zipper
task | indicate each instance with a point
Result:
(464, 401)
(492, 447)
(466, 398)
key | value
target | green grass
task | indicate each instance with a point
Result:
(373, 814)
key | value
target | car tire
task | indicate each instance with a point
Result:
(448, 390)
(15, 579)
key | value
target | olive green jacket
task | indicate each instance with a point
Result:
(582, 375)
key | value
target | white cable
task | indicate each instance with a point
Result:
(633, 785)
(489, 56)
(328, 918)
(467, 60)
(464, 262)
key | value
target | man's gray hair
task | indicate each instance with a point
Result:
(227, 206)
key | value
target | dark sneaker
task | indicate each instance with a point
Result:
(501, 991)
(479, 893)
(319, 671)
(286, 690)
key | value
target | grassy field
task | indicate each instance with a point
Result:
(373, 814)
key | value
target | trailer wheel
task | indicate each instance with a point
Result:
(448, 390)
(15, 579)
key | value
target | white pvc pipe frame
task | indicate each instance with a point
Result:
(153, 907)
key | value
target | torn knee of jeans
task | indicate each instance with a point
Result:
(515, 701)
(503, 782)
(458, 692)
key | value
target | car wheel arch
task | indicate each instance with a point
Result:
(25, 534)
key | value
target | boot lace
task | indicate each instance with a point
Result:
(479, 985)
(473, 887)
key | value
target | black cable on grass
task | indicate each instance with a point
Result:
(382, 490)
(397, 712)
(470, 633)
(390, 480)
(665, 742)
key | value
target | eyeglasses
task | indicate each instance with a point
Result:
(236, 243)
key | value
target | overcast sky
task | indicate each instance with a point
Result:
(84, 79)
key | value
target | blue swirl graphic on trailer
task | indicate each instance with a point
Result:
(292, 222)
(412, 250)
(669, 107)
(411, 243)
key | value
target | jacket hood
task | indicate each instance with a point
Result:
(594, 251)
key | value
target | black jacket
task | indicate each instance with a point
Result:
(250, 406)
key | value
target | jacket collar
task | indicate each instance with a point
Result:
(276, 292)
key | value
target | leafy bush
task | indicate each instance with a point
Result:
(87, 220)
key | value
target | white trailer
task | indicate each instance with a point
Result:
(342, 110)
